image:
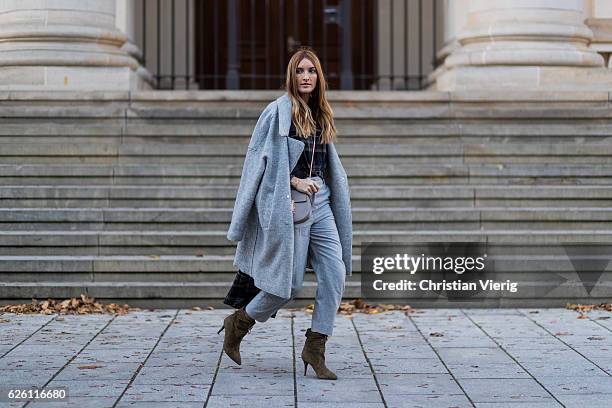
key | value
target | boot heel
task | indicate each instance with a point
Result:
(314, 353)
(221, 329)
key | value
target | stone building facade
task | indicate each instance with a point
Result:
(478, 44)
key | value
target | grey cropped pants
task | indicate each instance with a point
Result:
(318, 239)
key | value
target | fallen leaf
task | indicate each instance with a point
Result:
(83, 305)
(587, 308)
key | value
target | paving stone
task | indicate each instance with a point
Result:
(345, 390)
(175, 375)
(251, 401)
(591, 339)
(578, 367)
(186, 345)
(417, 384)
(595, 351)
(559, 352)
(157, 404)
(111, 342)
(172, 393)
(342, 404)
(28, 378)
(503, 370)
(577, 384)
(91, 388)
(116, 355)
(234, 383)
(5, 348)
(254, 364)
(427, 401)
(395, 350)
(585, 400)
(181, 359)
(491, 312)
(527, 343)
(508, 390)
(408, 365)
(32, 362)
(531, 404)
(98, 371)
(77, 402)
(37, 353)
(461, 341)
(473, 355)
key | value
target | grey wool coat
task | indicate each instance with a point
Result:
(262, 220)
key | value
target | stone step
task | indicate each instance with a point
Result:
(180, 278)
(188, 294)
(412, 218)
(146, 293)
(196, 243)
(127, 196)
(239, 126)
(118, 151)
(70, 196)
(367, 129)
(127, 268)
(183, 268)
(381, 174)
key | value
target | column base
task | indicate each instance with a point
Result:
(71, 78)
(533, 78)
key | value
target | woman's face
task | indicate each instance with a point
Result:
(306, 75)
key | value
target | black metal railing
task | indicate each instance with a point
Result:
(245, 44)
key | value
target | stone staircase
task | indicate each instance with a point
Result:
(128, 196)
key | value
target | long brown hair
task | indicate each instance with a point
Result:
(304, 118)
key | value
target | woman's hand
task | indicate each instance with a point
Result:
(306, 185)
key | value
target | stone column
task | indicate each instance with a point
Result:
(454, 17)
(64, 45)
(600, 22)
(125, 20)
(525, 44)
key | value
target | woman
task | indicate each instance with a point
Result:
(271, 249)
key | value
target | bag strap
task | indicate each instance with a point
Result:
(314, 148)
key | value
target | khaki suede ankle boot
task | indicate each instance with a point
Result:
(236, 326)
(314, 354)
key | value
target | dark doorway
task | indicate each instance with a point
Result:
(268, 31)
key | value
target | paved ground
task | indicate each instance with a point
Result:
(438, 358)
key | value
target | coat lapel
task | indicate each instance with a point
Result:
(284, 114)
(294, 147)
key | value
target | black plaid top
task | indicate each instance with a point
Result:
(319, 165)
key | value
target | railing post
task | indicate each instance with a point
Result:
(346, 75)
(233, 75)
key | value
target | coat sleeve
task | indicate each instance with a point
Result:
(252, 172)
